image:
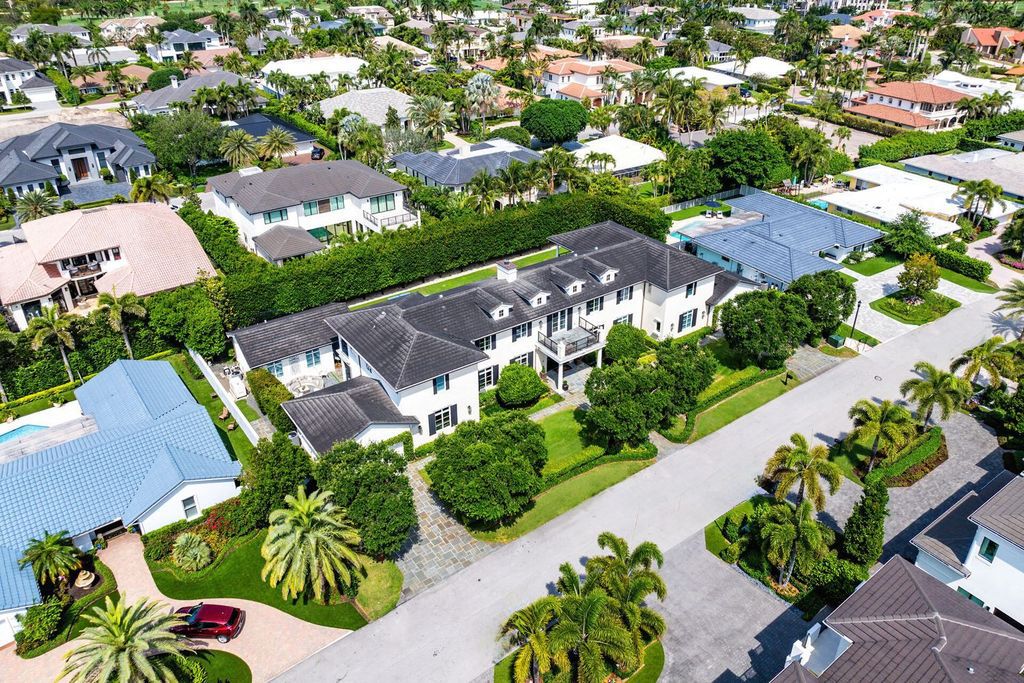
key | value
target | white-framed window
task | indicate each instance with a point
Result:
(441, 383)
(520, 331)
(190, 507)
(691, 289)
(313, 358)
(624, 320)
(525, 359)
(624, 294)
(385, 202)
(575, 288)
(487, 343)
(276, 369)
(275, 216)
(595, 305)
(443, 418)
(485, 378)
(609, 276)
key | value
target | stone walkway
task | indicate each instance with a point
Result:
(808, 362)
(568, 402)
(439, 546)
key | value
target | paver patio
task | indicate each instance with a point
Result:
(808, 362)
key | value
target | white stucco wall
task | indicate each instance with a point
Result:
(9, 624)
(170, 508)
(1000, 583)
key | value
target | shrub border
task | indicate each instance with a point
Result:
(930, 444)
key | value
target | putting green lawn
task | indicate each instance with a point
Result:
(738, 405)
(563, 435)
(932, 308)
(967, 282)
(875, 264)
(238, 576)
(563, 497)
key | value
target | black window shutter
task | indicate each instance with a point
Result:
(433, 383)
(550, 322)
(693, 318)
(431, 424)
(529, 358)
(529, 329)
(455, 415)
(494, 374)
(494, 341)
(568, 320)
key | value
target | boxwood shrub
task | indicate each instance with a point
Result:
(270, 394)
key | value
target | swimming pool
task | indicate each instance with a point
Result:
(819, 204)
(18, 432)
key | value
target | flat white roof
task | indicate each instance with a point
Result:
(711, 78)
(628, 153)
(880, 204)
(308, 66)
(766, 67)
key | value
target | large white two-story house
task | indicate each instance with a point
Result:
(432, 356)
(176, 43)
(911, 105)
(21, 34)
(292, 212)
(68, 258)
(977, 547)
(19, 76)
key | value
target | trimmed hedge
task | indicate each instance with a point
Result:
(988, 128)
(844, 119)
(925, 448)
(963, 264)
(645, 451)
(270, 394)
(68, 92)
(276, 109)
(912, 144)
(718, 397)
(258, 291)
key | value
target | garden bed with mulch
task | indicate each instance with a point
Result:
(918, 471)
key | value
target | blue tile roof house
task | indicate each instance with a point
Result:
(146, 454)
(782, 241)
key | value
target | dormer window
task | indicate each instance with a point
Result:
(609, 276)
(540, 299)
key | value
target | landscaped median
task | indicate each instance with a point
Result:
(900, 306)
(918, 458)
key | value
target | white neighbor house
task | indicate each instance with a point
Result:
(432, 356)
(977, 547)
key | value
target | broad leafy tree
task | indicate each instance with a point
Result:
(554, 121)
(908, 234)
(766, 326)
(920, 275)
(276, 467)
(627, 402)
(830, 300)
(744, 157)
(184, 138)
(689, 370)
(519, 385)
(626, 343)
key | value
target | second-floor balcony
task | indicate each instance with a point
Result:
(84, 270)
(566, 344)
(405, 218)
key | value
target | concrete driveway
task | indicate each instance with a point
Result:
(270, 642)
(449, 633)
(852, 146)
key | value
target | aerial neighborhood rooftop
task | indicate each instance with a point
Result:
(586, 341)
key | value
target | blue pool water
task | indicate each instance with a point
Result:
(18, 432)
(682, 237)
(819, 204)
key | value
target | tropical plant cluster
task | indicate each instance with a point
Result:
(270, 394)
(595, 626)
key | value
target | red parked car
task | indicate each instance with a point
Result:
(210, 621)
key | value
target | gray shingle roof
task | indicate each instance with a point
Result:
(164, 97)
(284, 187)
(905, 625)
(1004, 512)
(36, 81)
(258, 124)
(279, 338)
(10, 65)
(949, 538)
(152, 437)
(282, 241)
(259, 43)
(417, 338)
(724, 283)
(341, 412)
(454, 170)
(21, 154)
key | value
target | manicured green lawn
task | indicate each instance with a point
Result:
(934, 307)
(380, 590)
(238, 576)
(683, 214)
(562, 498)
(7, 223)
(967, 282)
(841, 352)
(849, 278)
(738, 405)
(223, 667)
(875, 264)
(714, 540)
(563, 437)
(235, 441)
(845, 330)
(247, 410)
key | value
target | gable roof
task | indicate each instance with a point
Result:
(342, 412)
(25, 158)
(457, 167)
(153, 435)
(164, 97)
(284, 187)
(275, 339)
(1003, 513)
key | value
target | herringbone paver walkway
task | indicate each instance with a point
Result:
(439, 546)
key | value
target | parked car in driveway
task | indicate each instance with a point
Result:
(210, 621)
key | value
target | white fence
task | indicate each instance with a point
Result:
(742, 190)
(229, 402)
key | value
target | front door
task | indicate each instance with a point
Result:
(80, 165)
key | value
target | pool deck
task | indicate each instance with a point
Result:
(45, 418)
(702, 225)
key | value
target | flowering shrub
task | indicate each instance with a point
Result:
(1012, 262)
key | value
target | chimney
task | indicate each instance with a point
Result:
(507, 271)
(174, 82)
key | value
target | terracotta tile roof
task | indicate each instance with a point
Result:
(1016, 71)
(579, 91)
(570, 65)
(892, 114)
(22, 279)
(990, 37)
(847, 32)
(99, 78)
(918, 92)
(206, 57)
(496, 64)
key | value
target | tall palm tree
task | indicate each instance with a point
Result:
(276, 142)
(889, 425)
(588, 636)
(804, 466)
(1012, 297)
(311, 545)
(152, 188)
(238, 148)
(991, 358)
(189, 63)
(515, 180)
(117, 308)
(50, 324)
(35, 205)
(528, 628)
(934, 388)
(431, 115)
(53, 557)
(551, 166)
(587, 43)
(126, 643)
(792, 535)
(485, 190)
(979, 197)
(482, 94)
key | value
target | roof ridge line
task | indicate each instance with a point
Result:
(984, 629)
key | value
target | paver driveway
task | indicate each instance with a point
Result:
(271, 641)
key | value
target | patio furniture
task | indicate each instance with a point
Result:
(223, 414)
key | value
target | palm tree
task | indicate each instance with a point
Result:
(551, 166)
(152, 188)
(1012, 297)
(431, 115)
(514, 180)
(979, 197)
(117, 307)
(889, 425)
(189, 63)
(126, 643)
(934, 388)
(53, 557)
(529, 631)
(310, 546)
(238, 148)
(799, 463)
(588, 635)
(790, 535)
(35, 205)
(482, 94)
(587, 43)
(50, 324)
(485, 190)
(992, 358)
(276, 142)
